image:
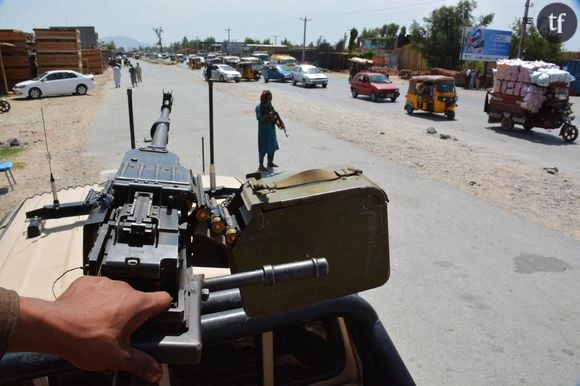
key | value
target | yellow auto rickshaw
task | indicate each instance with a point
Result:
(195, 62)
(248, 70)
(432, 93)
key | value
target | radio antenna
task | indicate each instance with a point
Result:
(52, 183)
(212, 175)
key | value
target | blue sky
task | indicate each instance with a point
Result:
(329, 19)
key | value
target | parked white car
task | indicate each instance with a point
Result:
(55, 82)
(223, 73)
(308, 75)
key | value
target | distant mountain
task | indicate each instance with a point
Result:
(126, 42)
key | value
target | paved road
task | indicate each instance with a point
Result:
(477, 295)
(540, 146)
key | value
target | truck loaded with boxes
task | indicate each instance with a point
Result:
(532, 94)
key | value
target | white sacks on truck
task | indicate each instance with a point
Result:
(527, 81)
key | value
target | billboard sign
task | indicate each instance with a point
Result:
(485, 44)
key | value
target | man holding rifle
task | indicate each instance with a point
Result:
(268, 119)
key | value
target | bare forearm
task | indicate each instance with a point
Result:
(90, 325)
(36, 328)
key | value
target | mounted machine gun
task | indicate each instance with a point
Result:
(157, 226)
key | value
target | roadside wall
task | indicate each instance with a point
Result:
(410, 58)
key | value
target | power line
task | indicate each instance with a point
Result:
(368, 11)
(405, 7)
(390, 10)
(268, 25)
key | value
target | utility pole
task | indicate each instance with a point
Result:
(275, 41)
(305, 20)
(525, 22)
(229, 30)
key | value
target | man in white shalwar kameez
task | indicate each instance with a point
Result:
(117, 76)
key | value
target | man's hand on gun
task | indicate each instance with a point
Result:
(278, 121)
(90, 325)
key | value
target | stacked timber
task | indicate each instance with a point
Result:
(92, 59)
(458, 76)
(385, 70)
(58, 49)
(17, 58)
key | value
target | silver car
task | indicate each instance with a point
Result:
(308, 75)
(223, 73)
(55, 82)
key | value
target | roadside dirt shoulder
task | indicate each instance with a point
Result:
(525, 189)
(68, 121)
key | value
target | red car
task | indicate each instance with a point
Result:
(375, 85)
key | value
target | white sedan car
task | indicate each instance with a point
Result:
(308, 75)
(223, 72)
(55, 83)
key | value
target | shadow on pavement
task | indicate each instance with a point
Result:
(537, 135)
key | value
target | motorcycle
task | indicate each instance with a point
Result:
(4, 105)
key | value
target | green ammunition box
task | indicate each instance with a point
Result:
(334, 213)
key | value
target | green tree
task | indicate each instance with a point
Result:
(353, 36)
(389, 29)
(403, 39)
(440, 38)
(208, 42)
(111, 46)
(536, 47)
(286, 42)
(197, 43)
(159, 31)
(368, 33)
(340, 45)
(418, 34)
(323, 45)
(267, 41)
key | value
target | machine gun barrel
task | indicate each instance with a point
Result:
(270, 274)
(160, 129)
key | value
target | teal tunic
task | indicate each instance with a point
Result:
(267, 142)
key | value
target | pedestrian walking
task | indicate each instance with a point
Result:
(133, 74)
(117, 75)
(472, 79)
(207, 72)
(139, 71)
(468, 78)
